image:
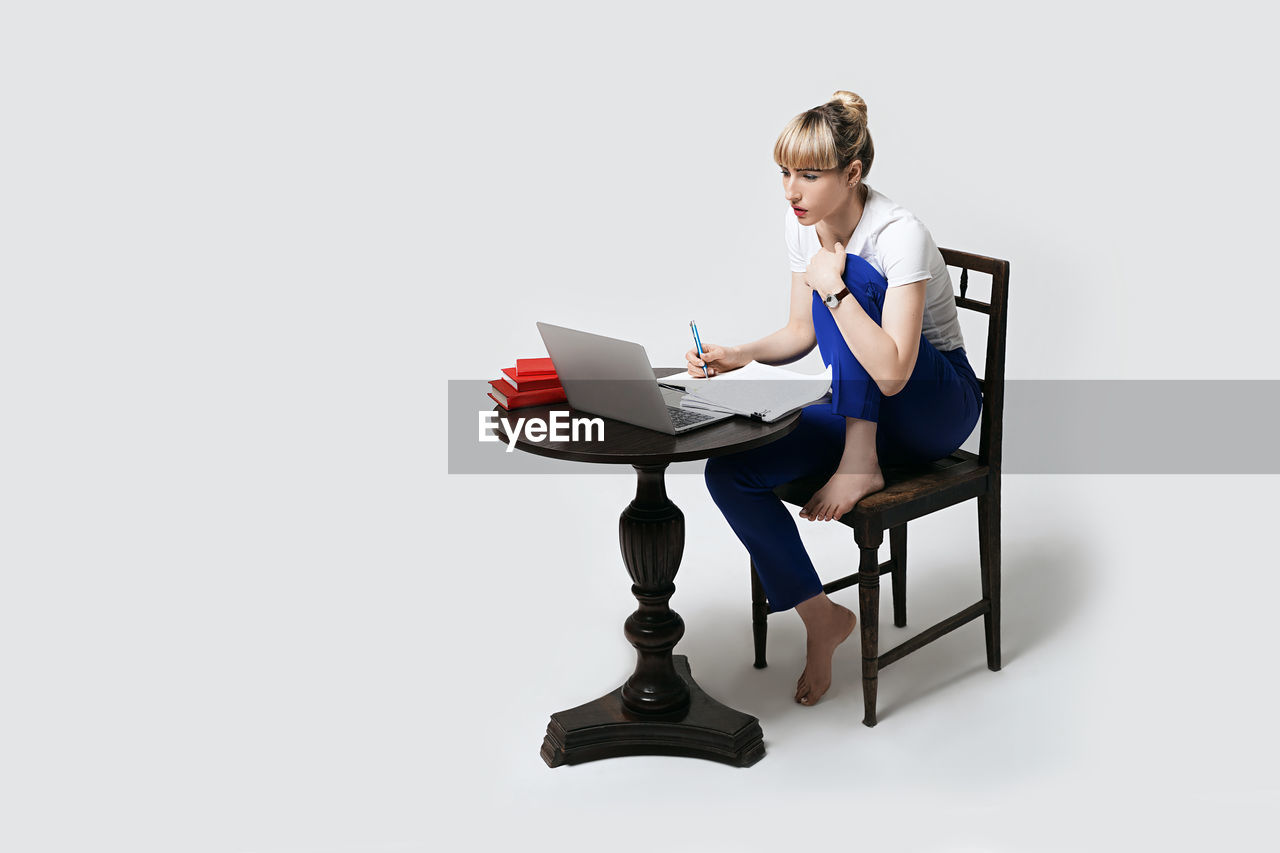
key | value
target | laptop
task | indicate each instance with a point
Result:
(613, 378)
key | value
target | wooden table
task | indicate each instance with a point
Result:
(660, 709)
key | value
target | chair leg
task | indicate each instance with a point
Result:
(898, 554)
(759, 617)
(989, 554)
(869, 605)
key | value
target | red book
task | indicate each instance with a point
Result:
(507, 397)
(534, 365)
(536, 382)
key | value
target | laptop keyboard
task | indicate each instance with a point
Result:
(685, 417)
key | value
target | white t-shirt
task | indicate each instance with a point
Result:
(901, 249)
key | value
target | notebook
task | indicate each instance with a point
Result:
(758, 391)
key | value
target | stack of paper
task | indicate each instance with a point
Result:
(757, 391)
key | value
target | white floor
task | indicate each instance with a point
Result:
(387, 690)
(1135, 706)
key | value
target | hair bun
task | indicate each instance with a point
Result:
(854, 106)
(829, 136)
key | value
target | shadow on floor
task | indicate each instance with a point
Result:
(1045, 584)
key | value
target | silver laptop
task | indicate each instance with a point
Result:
(613, 378)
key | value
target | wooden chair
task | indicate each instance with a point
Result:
(917, 491)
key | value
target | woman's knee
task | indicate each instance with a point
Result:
(866, 285)
(729, 478)
(722, 477)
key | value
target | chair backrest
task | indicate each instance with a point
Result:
(992, 380)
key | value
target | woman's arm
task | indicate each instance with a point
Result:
(794, 340)
(887, 351)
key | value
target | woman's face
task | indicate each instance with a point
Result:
(814, 194)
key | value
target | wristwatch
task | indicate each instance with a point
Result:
(831, 300)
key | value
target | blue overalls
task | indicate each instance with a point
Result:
(929, 418)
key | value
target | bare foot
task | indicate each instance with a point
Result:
(840, 494)
(828, 625)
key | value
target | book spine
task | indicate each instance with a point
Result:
(525, 398)
(534, 365)
(536, 382)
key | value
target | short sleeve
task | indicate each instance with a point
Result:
(906, 249)
(799, 263)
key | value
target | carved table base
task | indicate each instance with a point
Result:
(604, 728)
(660, 710)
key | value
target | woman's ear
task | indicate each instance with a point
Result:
(855, 173)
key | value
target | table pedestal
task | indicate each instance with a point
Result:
(660, 710)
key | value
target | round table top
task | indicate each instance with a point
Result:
(632, 445)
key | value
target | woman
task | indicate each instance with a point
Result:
(870, 288)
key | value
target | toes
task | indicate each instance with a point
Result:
(802, 686)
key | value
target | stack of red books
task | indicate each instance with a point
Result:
(532, 382)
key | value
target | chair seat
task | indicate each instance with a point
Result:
(909, 491)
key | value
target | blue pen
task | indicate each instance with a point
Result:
(697, 342)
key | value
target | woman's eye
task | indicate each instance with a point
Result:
(812, 177)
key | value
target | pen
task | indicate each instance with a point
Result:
(697, 342)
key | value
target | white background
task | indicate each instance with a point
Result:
(244, 245)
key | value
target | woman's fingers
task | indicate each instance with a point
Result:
(709, 355)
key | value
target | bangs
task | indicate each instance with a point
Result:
(806, 143)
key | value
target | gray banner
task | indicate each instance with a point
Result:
(1171, 426)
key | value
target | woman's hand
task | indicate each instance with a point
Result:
(825, 271)
(717, 359)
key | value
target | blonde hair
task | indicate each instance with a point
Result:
(829, 136)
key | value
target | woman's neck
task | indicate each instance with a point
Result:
(840, 225)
